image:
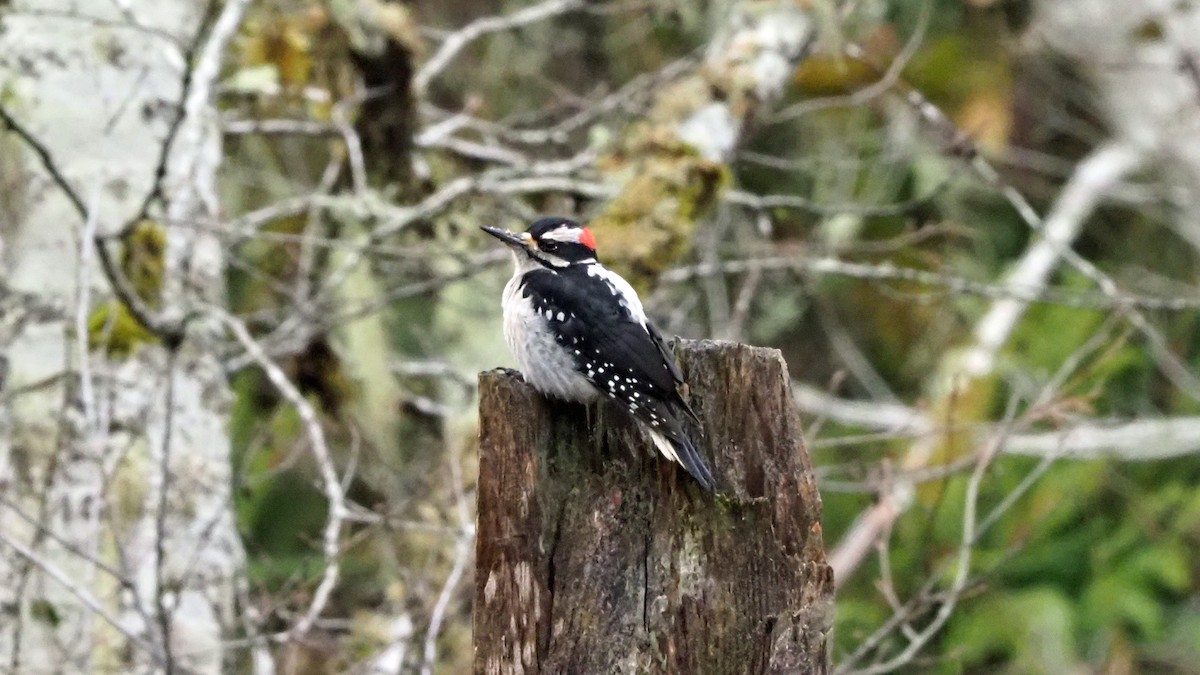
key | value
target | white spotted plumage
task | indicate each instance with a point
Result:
(621, 290)
(579, 331)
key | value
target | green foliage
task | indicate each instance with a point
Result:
(1032, 630)
(1094, 568)
(284, 518)
(1092, 556)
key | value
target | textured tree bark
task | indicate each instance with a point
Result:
(596, 556)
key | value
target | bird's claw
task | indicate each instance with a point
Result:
(512, 372)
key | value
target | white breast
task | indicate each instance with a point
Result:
(547, 366)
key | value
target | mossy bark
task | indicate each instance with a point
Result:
(596, 556)
(673, 166)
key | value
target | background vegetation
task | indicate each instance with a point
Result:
(969, 225)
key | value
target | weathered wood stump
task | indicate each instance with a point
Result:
(595, 556)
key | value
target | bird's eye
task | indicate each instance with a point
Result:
(547, 244)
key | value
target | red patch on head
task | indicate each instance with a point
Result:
(586, 238)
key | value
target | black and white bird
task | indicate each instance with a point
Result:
(578, 332)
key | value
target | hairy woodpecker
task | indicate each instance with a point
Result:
(578, 331)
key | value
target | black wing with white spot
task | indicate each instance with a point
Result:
(602, 335)
(624, 359)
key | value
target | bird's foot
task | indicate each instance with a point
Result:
(512, 372)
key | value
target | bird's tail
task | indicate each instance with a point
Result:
(678, 448)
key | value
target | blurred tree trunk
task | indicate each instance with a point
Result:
(595, 556)
(118, 547)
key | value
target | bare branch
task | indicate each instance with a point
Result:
(337, 512)
(1138, 440)
(83, 309)
(1123, 440)
(961, 571)
(125, 292)
(864, 534)
(455, 42)
(872, 529)
(462, 555)
(766, 202)
(1094, 176)
(952, 284)
(869, 414)
(85, 596)
(877, 88)
(1169, 364)
(281, 127)
(623, 98)
(164, 154)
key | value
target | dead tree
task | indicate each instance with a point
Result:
(595, 556)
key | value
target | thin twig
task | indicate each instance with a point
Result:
(961, 576)
(1102, 169)
(337, 512)
(458, 40)
(882, 85)
(1033, 294)
(765, 203)
(85, 596)
(83, 308)
(185, 101)
(164, 614)
(462, 555)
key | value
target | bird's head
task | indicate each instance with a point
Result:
(554, 242)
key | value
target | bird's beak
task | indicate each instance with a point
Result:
(522, 240)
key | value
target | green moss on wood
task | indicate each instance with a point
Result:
(113, 328)
(667, 188)
(43, 611)
(143, 260)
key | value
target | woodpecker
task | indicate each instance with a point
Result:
(578, 332)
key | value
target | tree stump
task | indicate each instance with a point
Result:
(595, 555)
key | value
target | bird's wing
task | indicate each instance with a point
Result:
(603, 332)
(621, 354)
(665, 352)
(669, 358)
